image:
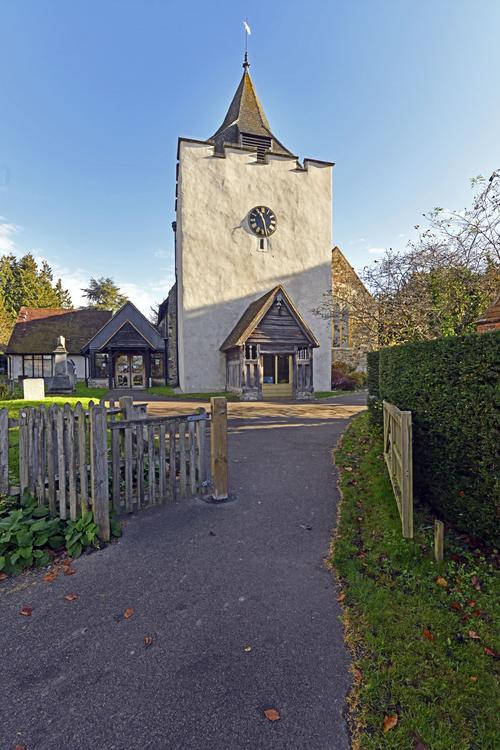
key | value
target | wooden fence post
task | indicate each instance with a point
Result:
(438, 541)
(4, 451)
(218, 444)
(99, 471)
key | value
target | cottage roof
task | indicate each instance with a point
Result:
(492, 314)
(37, 329)
(246, 116)
(256, 311)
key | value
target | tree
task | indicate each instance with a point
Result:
(103, 294)
(441, 283)
(23, 282)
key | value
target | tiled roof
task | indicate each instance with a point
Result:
(246, 115)
(492, 314)
(254, 314)
(36, 329)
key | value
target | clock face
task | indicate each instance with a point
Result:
(262, 221)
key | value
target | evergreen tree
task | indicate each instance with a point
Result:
(63, 296)
(103, 294)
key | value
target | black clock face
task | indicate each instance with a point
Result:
(262, 221)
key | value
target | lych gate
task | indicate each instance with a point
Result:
(269, 353)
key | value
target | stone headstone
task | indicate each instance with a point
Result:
(33, 389)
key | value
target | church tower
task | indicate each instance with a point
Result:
(253, 259)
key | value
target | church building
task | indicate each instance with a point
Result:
(253, 239)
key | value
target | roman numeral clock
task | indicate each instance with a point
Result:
(262, 221)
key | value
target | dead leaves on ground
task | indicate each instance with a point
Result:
(390, 722)
(441, 581)
(272, 714)
(26, 611)
(427, 634)
(70, 597)
(129, 612)
(148, 641)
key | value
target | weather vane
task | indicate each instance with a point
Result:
(248, 32)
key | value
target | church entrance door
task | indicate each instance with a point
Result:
(130, 371)
(277, 376)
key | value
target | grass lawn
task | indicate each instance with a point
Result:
(168, 392)
(82, 391)
(328, 394)
(423, 636)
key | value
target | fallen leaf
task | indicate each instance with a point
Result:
(390, 722)
(348, 468)
(148, 641)
(473, 678)
(427, 634)
(68, 571)
(358, 676)
(477, 612)
(420, 745)
(128, 613)
(20, 747)
(26, 611)
(49, 577)
(247, 648)
(471, 603)
(3, 576)
(456, 605)
(71, 597)
(489, 652)
(341, 597)
(441, 581)
(474, 635)
(272, 714)
(475, 583)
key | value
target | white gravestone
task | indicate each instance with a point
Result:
(33, 389)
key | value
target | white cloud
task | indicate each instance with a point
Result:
(7, 232)
(376, 250)
(357, 242)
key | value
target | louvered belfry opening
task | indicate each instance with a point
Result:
(260, 142)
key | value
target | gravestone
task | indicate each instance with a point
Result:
(63, 380)
(33, 389)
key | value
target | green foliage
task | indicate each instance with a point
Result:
(372, 382)
(80, 534)
(451, 386)
(9, 392)
(24, 282)
(390, 597)
(25, 530)
(103, 294)
(169, 392)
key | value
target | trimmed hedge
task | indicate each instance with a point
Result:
(451, 386)
(372, 383)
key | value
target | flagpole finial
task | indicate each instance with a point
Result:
(246, 27)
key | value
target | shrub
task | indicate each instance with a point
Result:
(342, 381)
(372, 382)
(358, 377)
(9, 392)
(451, 387)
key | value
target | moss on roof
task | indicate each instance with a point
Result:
(36, 329)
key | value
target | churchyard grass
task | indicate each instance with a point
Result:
(93, 393)
(327, 394)
(423, 636)
(168, 392)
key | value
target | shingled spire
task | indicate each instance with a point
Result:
(246, 124)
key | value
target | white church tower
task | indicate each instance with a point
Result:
(253, 259)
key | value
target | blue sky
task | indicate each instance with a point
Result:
(402, 95)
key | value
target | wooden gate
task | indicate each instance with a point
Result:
(398, 458)
(157, 459)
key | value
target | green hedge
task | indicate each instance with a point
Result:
(372, 383)
(451, 386)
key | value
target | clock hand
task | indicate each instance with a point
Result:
(263, 221)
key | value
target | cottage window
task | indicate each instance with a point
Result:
(250, 351)
(157, 365)
(101, 365)
(37, 365)
(303, 354)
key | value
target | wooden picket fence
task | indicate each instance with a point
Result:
(398, 458)
(103, 456)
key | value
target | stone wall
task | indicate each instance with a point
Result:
(170, 324)
(349, 293)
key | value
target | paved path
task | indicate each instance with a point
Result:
(205, 581)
